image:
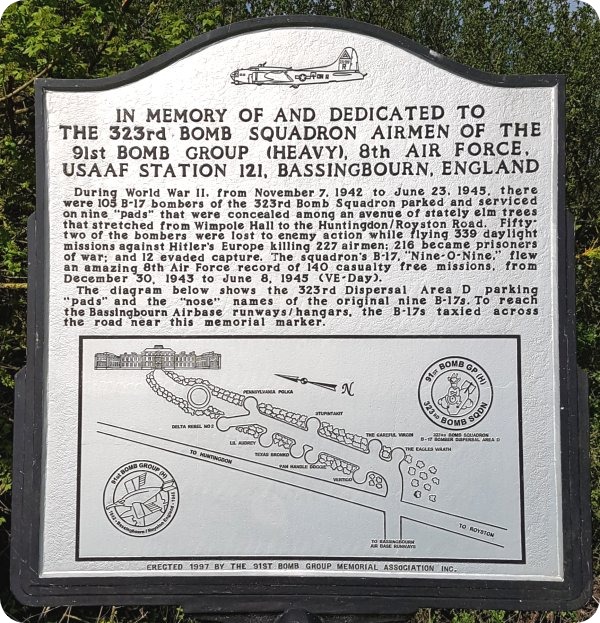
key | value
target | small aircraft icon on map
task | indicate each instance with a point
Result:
(345, 68)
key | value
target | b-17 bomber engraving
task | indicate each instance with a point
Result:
(344, 69)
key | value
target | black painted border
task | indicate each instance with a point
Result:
(338, 597)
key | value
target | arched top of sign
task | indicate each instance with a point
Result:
(342, 64)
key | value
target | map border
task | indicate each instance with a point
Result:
(158, 338)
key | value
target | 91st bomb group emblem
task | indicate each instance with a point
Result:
(455, 393)
(141, 498)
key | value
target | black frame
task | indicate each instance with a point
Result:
(321, 595)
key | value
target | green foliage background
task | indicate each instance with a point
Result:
(95, 38)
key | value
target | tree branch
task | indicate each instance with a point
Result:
(13, 286)
(26, 84)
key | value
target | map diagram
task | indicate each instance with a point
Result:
(294, 448)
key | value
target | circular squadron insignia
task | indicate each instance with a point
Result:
(141, 498)
(455, 393)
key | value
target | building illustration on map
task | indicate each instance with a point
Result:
(157, 357)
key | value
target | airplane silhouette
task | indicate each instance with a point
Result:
(343, 69)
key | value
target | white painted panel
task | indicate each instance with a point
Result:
(420, 266)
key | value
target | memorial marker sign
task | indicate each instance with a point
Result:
(301, 333)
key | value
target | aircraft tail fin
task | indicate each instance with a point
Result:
(347, 60)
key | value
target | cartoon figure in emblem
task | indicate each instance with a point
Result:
(457, 398)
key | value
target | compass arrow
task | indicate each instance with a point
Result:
(330, 386)
(304, 381)
(290, 378)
